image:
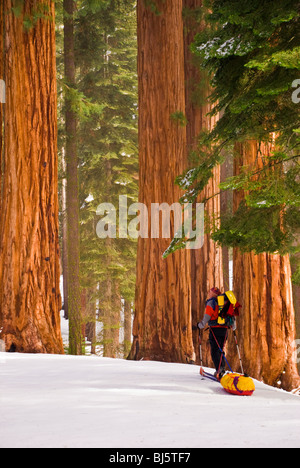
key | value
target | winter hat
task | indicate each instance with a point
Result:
(216, 291)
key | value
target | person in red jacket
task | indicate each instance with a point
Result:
(218, 332)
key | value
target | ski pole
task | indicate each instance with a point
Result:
(200, 348)
(238, 350)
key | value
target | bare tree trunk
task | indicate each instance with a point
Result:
(127, 327)
(296, 296)
(90, 328)
(115, 320)
(65, 240)
(106, 318)
(266, 327)
(29, 256)
(73, 248)
(2, 77)
(207, 262)
(226, 205)
(111, 319)
(162, 327)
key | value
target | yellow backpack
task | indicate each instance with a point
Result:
(226, 312)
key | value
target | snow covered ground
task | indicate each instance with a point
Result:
(89, 402)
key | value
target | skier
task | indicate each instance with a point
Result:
(218, 330)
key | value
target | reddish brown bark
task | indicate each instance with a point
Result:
(263, 285)
(1, 96)
(207, 268)
(295, 259)
(206, 263)
(162, 327)
(29, 257)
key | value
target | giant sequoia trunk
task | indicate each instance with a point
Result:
(295, 259)
(206, 263)
(29, 256)
(162, 327)
(266, 327)
(1, 89)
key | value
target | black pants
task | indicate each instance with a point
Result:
(220, 336)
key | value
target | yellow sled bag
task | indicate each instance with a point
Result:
(238, 384)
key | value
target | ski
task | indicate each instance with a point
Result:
(208, 375)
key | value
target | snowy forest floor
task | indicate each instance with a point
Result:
(51, 401)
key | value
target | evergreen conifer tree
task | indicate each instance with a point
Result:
(105, 103)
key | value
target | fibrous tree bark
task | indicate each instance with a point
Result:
(263, 286)
(206, 263)
(2, 90)
(295, 259)
(162, 327)
(29, 254)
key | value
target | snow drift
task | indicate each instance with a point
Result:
(51, 401)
